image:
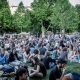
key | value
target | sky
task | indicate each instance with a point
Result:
(74, 2)
(28, 2)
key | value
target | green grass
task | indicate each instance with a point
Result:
(73, 67)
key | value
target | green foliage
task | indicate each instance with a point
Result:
(21, 8)
(53, 15)
(41, 11)
(18, 17)
(5, 16)
(78, 15)
(63, 16)
(26, 21)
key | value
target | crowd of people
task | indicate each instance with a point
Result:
(52, 51)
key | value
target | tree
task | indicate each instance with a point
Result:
(78, 15)
(64, 16)
(54, 15)
(5, 16)
(18, 17)
(40, 13)
(45, 15)
(26, 21)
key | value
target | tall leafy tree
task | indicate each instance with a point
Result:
(40, 13)
(5, 16)
(26, 20)
(18, 17)
(54, 14)
(45, 15)
(78, 15)
(63, 16)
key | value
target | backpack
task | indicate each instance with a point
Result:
(8, 69)
(76, 76)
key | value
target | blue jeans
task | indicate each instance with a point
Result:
(51, 65)
(16, 63)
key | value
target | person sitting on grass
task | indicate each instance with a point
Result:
(13, 58)
(21, 74)
(3, 58)
(39, 68)
(57, 74)
(36, 53)
(48, 61)
(26, 55)
(64, 53)
(26, 67)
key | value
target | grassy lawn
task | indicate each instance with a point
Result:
(73, 67)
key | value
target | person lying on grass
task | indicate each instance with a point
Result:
(39, 69)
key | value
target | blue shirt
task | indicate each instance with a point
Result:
(3, 59)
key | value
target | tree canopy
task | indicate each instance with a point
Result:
(78, 16)
(5, 16)
(52, 15)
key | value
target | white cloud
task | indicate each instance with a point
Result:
(74, 2)
(16, 2)
(28, 2)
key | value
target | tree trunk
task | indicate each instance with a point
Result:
(42, 31)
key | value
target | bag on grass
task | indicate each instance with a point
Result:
(8, 69)
(76, 76)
